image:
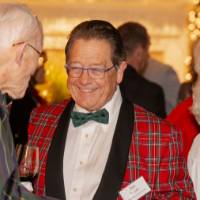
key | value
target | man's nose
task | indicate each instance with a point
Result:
(84, 76)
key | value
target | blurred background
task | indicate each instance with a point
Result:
(173, 25)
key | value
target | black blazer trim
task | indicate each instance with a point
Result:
(118, 157)
(115, 168)
(54, 182)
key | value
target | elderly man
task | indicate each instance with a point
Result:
(98, 145)
(186, 117)
(21, 43)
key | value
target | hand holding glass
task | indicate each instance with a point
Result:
(28, 159)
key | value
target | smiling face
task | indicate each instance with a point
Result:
(92, 94)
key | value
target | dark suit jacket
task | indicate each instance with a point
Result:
(140, 91)
(19, 116)
(142, 145)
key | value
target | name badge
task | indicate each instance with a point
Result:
(135, 190)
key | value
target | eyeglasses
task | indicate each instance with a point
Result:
(37, 51)
(94, 72)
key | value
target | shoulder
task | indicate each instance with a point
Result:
(133, 79)
(155, 88)
(181, 115)
(183, 107)
(150, 124)
(160, 68)
(49, 111)
(54, 108)
(44, 120)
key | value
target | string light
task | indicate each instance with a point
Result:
(194, 21)
(194, 33)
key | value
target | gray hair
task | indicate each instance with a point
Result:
(17, 24)
(196, 89)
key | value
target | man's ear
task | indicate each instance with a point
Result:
(19, 51)
(120, 71)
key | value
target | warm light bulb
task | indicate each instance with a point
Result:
(193, 37)
(44, 93)
(191, 27)
(188, 60)
(188, 77)
(196, 1)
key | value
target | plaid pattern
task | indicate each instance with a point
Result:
(155, 153)
(43, 122)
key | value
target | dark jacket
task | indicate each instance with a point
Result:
(140, 91)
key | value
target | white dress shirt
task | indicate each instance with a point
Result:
(194, 165)
(86, 151)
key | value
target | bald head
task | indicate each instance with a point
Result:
(18, 24)
(21, 43)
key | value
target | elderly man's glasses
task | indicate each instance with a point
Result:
(94, 72)
(37, 51)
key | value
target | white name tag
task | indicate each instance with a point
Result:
(135, 190)
(27, 185)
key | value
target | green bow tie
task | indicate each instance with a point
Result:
(79, 118)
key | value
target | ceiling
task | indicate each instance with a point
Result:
(166, 20)
(60, 16)
(155, 11)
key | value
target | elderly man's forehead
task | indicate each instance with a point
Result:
(4, 56)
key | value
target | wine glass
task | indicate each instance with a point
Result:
(28, 160)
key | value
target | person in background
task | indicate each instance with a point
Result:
(98, 143)
(166, 77)
(194, 153)
(21, 43)
(182, 117)
(134, 86)
(185, 90)
(149, 68)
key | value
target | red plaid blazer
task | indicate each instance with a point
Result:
(152, 148)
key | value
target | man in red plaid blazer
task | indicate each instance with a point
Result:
(98, 143)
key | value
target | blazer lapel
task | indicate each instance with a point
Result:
(117, 160)
(54, 167)
(118, 157)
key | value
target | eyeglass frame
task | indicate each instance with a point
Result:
(104, 70)
(30, 45)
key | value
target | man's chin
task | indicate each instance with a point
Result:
(89, 107)
(16, 94)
